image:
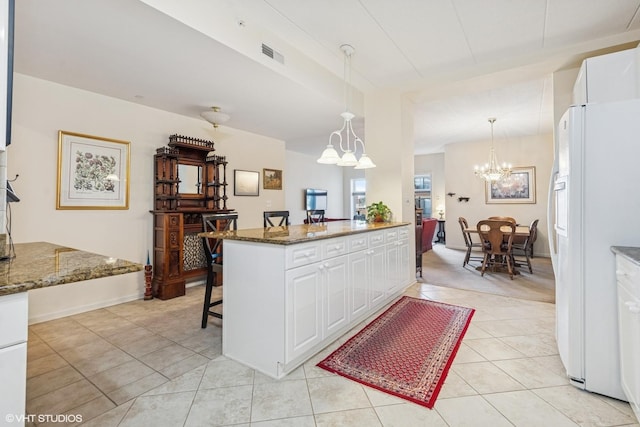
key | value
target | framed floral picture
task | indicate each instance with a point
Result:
(93, 172)
(519, 187)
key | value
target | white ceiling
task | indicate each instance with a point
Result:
(459, 61)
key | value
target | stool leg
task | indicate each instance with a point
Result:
(207, 298)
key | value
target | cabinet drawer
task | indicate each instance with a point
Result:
(303, 254)
(13, 319)
(334, 247)
(391, 235)
(376, 238)
(358, 242)
(403, 233)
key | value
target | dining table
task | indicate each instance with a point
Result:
(521, 230)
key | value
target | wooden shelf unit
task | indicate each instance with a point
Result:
(178, 255)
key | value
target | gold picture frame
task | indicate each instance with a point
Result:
(272, 179)
(519, 187)
(93, 172)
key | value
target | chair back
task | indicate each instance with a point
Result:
(503, 218)
(219, 223)
(315, 216)
(533, 233)
(495, 240)
(463, 226)
(428, 230)
(268, 215)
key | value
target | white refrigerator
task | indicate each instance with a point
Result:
(594, 204)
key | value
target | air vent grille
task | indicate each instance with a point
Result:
(275, 55)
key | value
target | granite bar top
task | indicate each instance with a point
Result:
(292, 234)
(42, 264)
(632, 253)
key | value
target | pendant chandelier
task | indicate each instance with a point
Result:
(350, 140)
(492, 171)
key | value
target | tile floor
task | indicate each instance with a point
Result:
(148, 363)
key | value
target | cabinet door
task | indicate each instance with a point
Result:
(13, 368)
(359, 278)
(377, 275)
(406, 266)
(336, 294)
(392, 277)
(303, 309)
(629, 324)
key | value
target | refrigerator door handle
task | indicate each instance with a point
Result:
(551, 220)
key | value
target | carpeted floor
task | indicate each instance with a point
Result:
(443, 267)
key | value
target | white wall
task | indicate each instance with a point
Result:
(303, 171)
(459, 162)
(41, 108)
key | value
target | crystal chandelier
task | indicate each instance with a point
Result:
(492, 171)
(349, 142)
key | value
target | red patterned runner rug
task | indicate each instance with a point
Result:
(406, 351)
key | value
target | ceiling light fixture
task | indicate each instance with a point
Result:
(330, 155)
(492, 171)
(215, 117)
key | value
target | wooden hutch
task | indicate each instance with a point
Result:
(190, 180)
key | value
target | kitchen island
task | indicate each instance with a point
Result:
(37, 265)
(290, 291)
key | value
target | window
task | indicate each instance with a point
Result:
(422, 193)
(358, 197)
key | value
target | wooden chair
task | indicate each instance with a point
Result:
(496, 244)
(524, 247)
(268, 215)
(213, 253)
(315, 216)
(468, 242)
(503, 218)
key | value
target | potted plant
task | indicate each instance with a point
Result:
(378, 212)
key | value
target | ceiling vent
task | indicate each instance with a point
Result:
(275, 55)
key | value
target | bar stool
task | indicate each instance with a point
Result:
(283, 215)
(213, 253)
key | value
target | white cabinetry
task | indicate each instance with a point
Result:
(608, 78)
(628, 280)
(284, 303)
(13, 354)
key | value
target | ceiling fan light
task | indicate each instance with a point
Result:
(215, 117)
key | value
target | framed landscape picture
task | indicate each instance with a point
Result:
(272, 179)
(519, 187)
(93, 172)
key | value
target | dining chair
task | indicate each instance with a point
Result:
(497, 244)
(503, 218)
(469, 243)
(524, 247)
(213, 253)
(315, 216)
(269, 215)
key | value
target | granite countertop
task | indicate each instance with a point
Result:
(292, 234)
(42, 264)
(632, 253)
